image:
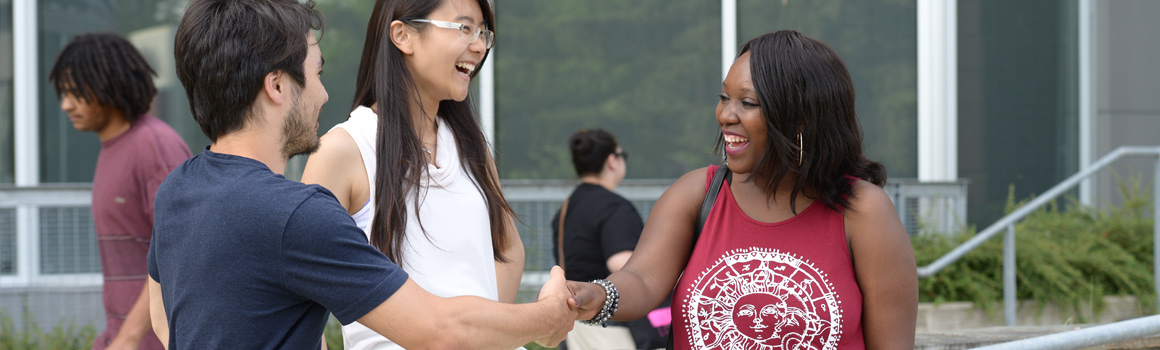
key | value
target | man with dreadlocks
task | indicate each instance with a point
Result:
(106, 87)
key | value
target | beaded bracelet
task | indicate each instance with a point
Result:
(611, 303)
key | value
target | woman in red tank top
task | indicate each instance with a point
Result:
(802, 249)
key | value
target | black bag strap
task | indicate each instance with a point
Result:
(560, 234)
(723, 174)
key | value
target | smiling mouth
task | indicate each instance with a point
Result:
(465, 68)
(734, 141)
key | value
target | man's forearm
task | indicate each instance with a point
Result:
(500, 326)
(416, 319)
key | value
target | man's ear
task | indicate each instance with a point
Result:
(610, 162)
(274, 84)
(401, 37)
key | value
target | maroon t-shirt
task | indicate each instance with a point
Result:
(759, 285)
(129, 169)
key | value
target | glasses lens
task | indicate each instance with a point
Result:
(489, 36)
(468, 33)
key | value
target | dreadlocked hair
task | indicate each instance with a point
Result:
(106, 69)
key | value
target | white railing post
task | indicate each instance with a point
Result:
(27, 243)
(1009, 302)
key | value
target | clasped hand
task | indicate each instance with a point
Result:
(557, 295)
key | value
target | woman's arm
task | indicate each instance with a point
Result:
(338, 166)
(885, 268)
(508, 274)
(659, 257)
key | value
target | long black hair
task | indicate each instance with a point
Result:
(383, 78)
(105, 69)
(804, 87)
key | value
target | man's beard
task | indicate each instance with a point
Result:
(300, 136)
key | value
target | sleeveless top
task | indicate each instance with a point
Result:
(756, 285)
(454, 257)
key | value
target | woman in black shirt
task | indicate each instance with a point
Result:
(600, 231)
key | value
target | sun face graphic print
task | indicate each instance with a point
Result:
(760, 298)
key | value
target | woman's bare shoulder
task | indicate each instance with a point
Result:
(337, 155)
(692, 183)
(868, 199)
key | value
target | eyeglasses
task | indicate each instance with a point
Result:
(469, 33)
(622, 155)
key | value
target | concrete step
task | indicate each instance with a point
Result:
(957, 316)
(972, 338)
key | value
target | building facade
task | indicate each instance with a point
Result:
(1000, 95)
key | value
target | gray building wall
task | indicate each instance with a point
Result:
(1128, 90)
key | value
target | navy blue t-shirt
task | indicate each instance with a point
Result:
(247, 259)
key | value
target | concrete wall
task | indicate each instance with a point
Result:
(958, 316)
(50, 307)
(1128, 87)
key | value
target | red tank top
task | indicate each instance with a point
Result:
(756, 285)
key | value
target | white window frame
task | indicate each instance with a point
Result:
(937, 90)
(26, 139)
(728, 35)
(1087, 94)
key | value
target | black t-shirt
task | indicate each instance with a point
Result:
(599, 223)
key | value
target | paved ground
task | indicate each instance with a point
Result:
(971, 338)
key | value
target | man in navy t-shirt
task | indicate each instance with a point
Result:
(243, 258)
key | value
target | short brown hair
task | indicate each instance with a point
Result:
(224, 48)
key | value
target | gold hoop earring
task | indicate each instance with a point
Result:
(801, 150)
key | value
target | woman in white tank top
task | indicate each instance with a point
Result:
(411, 164)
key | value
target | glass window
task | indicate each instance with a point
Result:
(1017, 84)
(341, 45)
(67, 243)
(7, 109)
(67, 155)
(878, 42)
(8, 253)
(647, 71)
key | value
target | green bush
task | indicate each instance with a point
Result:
(333, 334)
(1068, 255)
(65, 336)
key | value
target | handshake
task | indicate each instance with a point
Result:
(566, 302)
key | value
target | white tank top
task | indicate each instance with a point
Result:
(454, 258)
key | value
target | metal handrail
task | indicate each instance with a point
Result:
(1007, 223)
(1087, 337)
